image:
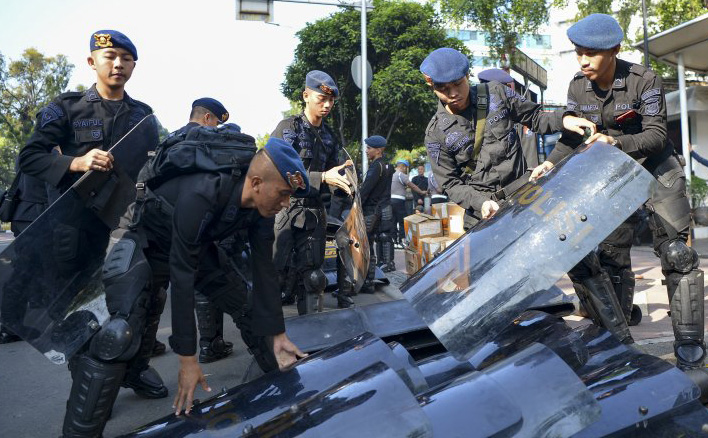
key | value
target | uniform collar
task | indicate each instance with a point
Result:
(620, 80)
(91, 95)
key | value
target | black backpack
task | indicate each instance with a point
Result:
(221, 149)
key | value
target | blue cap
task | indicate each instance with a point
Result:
(214, 106)
(403, 162)
(289, 164)
(596, 31)
(321, 82)
(376, 142)
(495, 74)
(445, 65)
(103, 39)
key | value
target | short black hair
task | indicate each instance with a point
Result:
(198, 112)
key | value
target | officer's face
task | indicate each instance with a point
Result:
(318, 104)
(596, 64)
(455, 95)
(272, 195)
(373, 153)
(113, 66)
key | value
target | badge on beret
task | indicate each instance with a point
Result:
(326, 90)
(296, 181)
(103, 40)
(225, 117)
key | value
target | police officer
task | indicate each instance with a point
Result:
(302, 226)
(85, 125)
(627, 103)
(206, 111)
(477, 172)
(375, 196)
(173, 241)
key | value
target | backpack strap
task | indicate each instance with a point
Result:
(482, 104)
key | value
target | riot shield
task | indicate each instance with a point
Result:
(351, 239)
(51, 293)
(489, 276)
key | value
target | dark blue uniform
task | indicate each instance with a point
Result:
(375, 195)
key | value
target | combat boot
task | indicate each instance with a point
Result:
(216, 349)
(146, 383)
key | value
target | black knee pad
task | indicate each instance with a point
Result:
(115, 338)
(676, 256)
(314, 280)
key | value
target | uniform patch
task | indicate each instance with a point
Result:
(593, 107)
(623, 106)
(652, 109)
(513, 94)
(494, 103)
(651, 93)
(595, 118)
(571, 106)
(618, 83)
(96, 134)
(451, 138)
(87, 123)
(433, 151)
(50, 113)
(92, 96)
(289, 136)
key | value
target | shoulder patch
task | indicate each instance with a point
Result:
(433, 151)
(651, 95)
(49, 114)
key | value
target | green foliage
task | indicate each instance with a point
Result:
(400, 35)
(698, 190)
(261, 140)
(504, 20)
(416, 156)
(26, 85)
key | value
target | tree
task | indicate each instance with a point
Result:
(401, 34)
(503, 20)
(26, 85)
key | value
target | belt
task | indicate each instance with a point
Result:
(398, 197)
(439, 196)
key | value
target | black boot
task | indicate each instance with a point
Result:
(7, 337)
(94, 389)
(158, 349)
(146, 383)
(215, 350)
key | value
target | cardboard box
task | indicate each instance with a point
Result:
(432, 246)
(421, 225)
(413, 261)
(449, 212)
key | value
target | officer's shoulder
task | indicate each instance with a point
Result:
(640, 70)
(578, 76)
(70, 95)
(288, 122)
(144, 106)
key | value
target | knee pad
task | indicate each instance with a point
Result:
(387, 214)
(676, 256)
(115, 338)
(126, 273)
(314, 280)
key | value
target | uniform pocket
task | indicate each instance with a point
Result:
(88, 135)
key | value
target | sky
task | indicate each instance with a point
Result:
(186, 50)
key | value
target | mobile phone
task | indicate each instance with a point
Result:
(626, 117)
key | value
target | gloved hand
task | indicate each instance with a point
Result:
(333, 177)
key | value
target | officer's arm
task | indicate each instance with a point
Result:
(569, 140)
(192, 215)
(651, 139)
(267, 309)
(528, 113)
(370, 181)
(36, 158)
(449, 176)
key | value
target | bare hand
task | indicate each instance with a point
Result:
(489, 209)
(600, 137)
(578, 124)
(190, 374)
(540, 170)
(286, 353)
(334, 178)
(95, 159)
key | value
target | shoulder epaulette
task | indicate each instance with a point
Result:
(578, 75)
(70, 95)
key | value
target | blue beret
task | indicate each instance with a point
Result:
(321, 82)
(289, 164)
(103, 39)
(214, 106)
(596, 31)
(495, 74)
(376, 142)
(445, 65)
(403, 162)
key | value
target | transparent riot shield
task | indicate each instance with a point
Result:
(478, 285)
(51, 293)
(352, 242)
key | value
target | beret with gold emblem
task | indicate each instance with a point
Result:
(214, 106)
(104, 39)
(321, 82)
(289, 164)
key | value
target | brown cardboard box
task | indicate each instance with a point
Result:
(413, 263)
(449, 212)
(432, 246)
(421, 225)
